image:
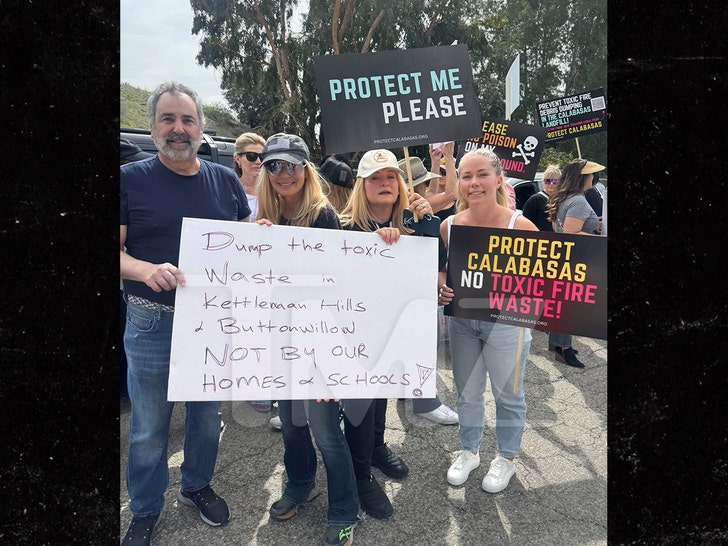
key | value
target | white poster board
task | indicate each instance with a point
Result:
(279, 313)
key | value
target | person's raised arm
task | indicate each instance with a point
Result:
(441, 200)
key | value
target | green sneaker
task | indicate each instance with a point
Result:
(337, 536)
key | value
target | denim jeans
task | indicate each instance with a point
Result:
(300, 457)
(560, 340)
(480, 349)
(147, 341)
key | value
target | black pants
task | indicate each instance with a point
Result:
(359, 432)
(380, 414)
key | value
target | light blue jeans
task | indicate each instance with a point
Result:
(480, 349)
(147, 341)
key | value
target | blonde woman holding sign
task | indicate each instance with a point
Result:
(290, 193)
(379, 203)
(482, 349)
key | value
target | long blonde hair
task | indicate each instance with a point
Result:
(358, 213)
(310, 204)
(501, 195)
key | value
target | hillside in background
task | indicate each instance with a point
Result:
(133, 113)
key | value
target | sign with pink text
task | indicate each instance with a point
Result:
(554, 282)
(290, 313)
(517, 145)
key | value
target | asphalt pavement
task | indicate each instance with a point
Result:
(558, 496)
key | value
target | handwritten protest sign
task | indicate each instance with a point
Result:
(518, 145)
(278, 312)
(554, 282)
(574, 116)
(398, 98)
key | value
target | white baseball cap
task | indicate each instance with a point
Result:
(376, 160)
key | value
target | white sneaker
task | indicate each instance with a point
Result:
(275, 422)
(442, 415)
(464, 464)
(499, 474)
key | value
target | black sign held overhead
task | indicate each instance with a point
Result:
(574, 116)
(393, 99)
(519, 146)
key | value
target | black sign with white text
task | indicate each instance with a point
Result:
(574, 116)
(398, 98)
(519, 146)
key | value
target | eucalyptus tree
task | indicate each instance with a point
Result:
(266, 61)
(267, 67)
(562, 47)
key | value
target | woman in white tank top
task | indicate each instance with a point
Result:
(480, 348)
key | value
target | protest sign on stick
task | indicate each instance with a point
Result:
(518, 145)
(399, 98)
(279, 312)
(574, 116)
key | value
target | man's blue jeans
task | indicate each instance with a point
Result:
(300, 457)
(480, 349)
(147, 341)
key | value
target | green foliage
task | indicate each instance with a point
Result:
(553, 156)
(267, 68)
(133, 107)
(133, 113)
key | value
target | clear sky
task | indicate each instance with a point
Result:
(157, 44)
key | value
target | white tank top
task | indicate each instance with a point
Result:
(511, 223)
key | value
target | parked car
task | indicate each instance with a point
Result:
(526, 188)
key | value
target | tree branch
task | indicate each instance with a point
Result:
(334, 25)
(375, 24)
(258, 16)
(436, 17)
(348, 16)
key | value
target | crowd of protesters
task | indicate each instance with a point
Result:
(272, 182)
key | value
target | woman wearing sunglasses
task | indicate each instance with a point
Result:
(290, 193)
(535, 210)
(246, 164)
(570, 212)
(535, 207)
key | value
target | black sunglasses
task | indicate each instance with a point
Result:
(251, 156)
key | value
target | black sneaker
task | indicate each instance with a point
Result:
(284, 509)
(213, 509)
(140, 531)
(339, 536)
(389, 463)
(373, 499)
